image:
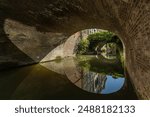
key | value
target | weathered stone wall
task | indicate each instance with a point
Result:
(33, 43)
(67, 49)
(130, 19)
(56, 53)
(70, 45)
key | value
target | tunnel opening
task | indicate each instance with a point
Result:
(88, 73)
(94, 61)
(98, 56)
(43, 27)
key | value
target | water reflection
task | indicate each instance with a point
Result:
(95, 79)
(113, 85)
(109, 51)
(101, 84)
(72, 78)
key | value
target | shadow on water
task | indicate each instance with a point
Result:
(72, 78)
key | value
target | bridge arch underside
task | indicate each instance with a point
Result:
(29, 31)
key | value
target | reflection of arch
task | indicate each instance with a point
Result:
(109, 52)
(106, 60)
(101, 45)
(88, 80)
(130, 19)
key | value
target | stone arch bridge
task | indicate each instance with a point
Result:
(30, 29)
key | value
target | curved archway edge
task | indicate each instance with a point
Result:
(129, 19)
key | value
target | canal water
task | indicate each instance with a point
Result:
(81, 77)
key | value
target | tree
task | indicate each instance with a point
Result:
(99, 37)
(83, 46)
(90, 44)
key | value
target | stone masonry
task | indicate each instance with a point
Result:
(58, 19)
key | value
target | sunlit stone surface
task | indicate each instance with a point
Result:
(62, 18)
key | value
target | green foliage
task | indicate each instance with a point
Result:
(83, 46)
(101, 36)
(91, 63)
(90, 44)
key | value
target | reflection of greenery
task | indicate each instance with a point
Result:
(116, 75)
(83, 62)
(85, 57)
(91, 63)
(85, 65)
(93, 45)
